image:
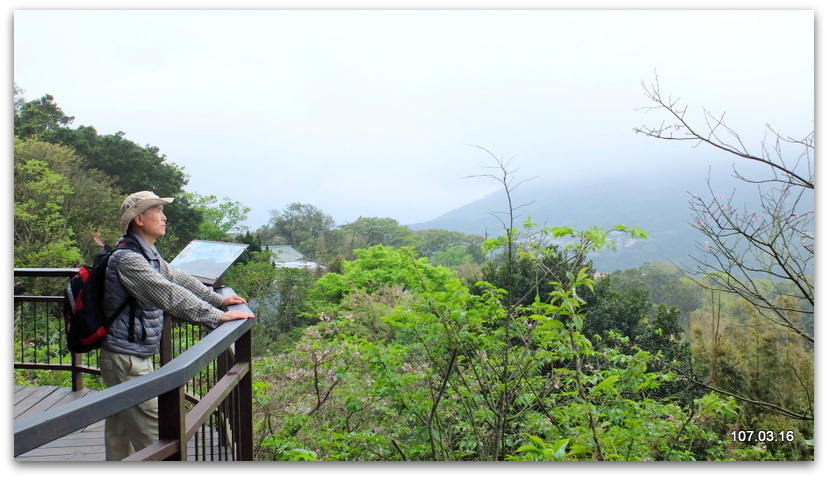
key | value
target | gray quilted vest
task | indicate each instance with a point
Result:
(149, 320)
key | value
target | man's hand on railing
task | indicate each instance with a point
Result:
(233, 299)
(234, 315)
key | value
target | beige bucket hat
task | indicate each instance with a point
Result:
(137, 203)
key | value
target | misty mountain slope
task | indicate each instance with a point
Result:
(657, 203)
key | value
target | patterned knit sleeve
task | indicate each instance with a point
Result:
(190, 283)
(150, 287)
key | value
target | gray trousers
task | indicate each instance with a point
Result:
(137, 427)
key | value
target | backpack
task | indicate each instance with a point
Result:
(84, 318)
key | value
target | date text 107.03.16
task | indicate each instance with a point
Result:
(762, 436)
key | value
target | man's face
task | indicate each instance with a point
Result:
(153, 222)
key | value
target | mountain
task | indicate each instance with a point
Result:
(656, 201)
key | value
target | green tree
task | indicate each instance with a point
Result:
(254, 246)
(275, 295)
(453, 385)
(134, 168)
(768, 370)
(19, 100)
(454, 247)
(42, 234)
(38, 117)
(300, 225)
(124, 166)
(365, 232)
(183, 223)
(292, 288)
(452, 257)
(609, 309)
(218, 219)
(89, 205)
(527, 277)
(376, 267)
(665, 283)
(432, 241)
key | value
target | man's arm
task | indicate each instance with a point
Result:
(188, 282)
(202, 291)
(150, 287)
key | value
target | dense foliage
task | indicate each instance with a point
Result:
(457, 375)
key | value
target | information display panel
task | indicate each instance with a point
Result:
(208, 260)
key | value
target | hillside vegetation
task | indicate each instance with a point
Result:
(440, 342)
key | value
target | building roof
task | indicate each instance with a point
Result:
(286, 256)
(284, 253)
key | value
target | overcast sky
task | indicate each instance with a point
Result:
(372, 113)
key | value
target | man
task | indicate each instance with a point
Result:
(132, 341)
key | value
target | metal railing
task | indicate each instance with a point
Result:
(203, 384)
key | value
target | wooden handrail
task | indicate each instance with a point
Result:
(34, 431)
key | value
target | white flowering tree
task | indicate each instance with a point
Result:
(763, 253)
(745, 249)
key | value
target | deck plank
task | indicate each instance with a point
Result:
(86, 444)
(29, 398)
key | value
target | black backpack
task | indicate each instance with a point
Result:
(83, 314)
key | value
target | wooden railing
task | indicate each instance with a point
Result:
(203, 384)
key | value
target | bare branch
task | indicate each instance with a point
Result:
(775, 408)
(682, 130)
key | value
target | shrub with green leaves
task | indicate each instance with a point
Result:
(467, 376)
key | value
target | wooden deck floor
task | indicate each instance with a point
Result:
(84, 445)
